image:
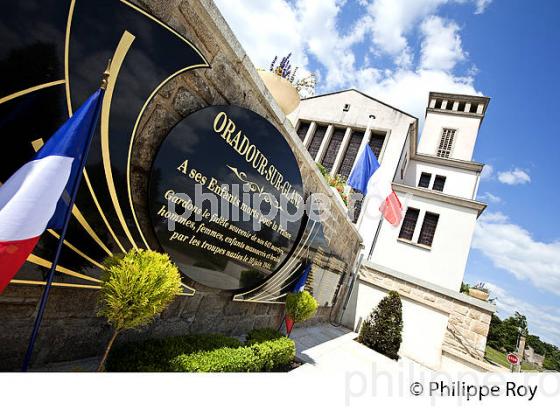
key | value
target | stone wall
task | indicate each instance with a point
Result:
(70, 328)
(468, 318)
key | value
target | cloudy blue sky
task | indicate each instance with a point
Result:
(399, 50)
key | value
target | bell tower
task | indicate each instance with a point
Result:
(451, 125)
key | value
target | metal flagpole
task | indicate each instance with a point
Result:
(50, 276)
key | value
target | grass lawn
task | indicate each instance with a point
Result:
(500, 359)
(496, 357)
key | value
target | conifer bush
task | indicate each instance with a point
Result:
(135, 288)
(382, 330)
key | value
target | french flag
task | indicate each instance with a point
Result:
(374, 182)
(38, 195)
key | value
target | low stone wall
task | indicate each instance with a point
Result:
(71, 329)
(468, 318)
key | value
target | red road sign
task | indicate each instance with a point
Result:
(512, 358)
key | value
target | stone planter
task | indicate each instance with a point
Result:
(478, 294)
(282, 90)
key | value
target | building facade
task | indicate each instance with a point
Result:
(436, 179)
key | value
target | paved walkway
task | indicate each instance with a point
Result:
(327, 348)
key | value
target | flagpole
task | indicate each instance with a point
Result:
(51, 273)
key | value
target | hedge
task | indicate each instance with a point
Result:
(264, 356)
(154, 355)
(265, 350)
(262, 335)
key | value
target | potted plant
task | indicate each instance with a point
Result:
(135, 288)
(281, 82)
(479, 291)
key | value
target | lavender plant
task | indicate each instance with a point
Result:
(305, 86)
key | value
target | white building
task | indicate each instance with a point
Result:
(436, 179)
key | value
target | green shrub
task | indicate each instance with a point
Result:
(156, 354)
(382, 330)
(265, 356)
(204, 353)
(262, 335)
(275, 354)
(300, 306)
(135, 288)
(226, 359)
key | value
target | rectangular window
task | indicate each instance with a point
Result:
(439, 183)
(302, 129)
(446, 143)
(428, 229)
(473, 109)
(350, 154)
(376, 143)
(333, 147)
(424, 181)
(409, 224)
(316, 141)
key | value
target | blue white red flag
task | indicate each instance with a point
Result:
(300, 284)
(37, 196)
(374, 182)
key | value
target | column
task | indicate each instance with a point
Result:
(324, 143)
(342, 149)
(310, 132)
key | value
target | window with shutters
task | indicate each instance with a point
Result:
(376, 143)
(302, 129)
(424, 181)
(409, 224)
(428, 229)
(316, 141)
(439, 183)
(350, 154)
(446, 143)
(333, 147)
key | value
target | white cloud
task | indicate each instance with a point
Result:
(441, 47)
(310, 30)
(544, 321)
(512, 248)
(265, 29)
(491, 198)
(514, 177)
(481, 6)
(409, 90)
(487, 172)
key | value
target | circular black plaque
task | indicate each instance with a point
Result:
(246, 173)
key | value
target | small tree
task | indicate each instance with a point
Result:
(300, 306)
(135, 288)
(382, 330)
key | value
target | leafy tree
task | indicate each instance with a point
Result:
(382, 330)
(136, 287)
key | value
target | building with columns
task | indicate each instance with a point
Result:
(436, 179)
